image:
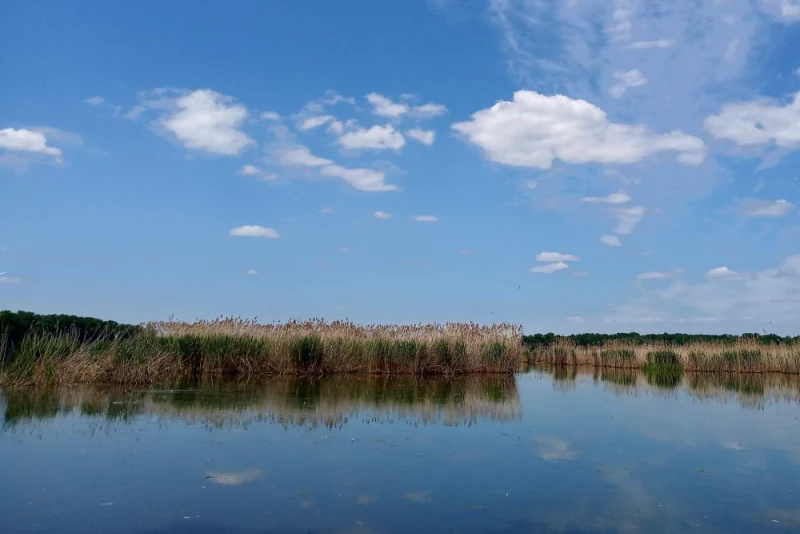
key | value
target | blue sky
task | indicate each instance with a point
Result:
(567, 165)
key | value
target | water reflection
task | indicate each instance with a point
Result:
(305, 402)
(752, 390)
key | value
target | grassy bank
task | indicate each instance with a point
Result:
(171, 351)
(740, 355)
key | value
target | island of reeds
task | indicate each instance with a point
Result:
(60, 349)
(68, 350)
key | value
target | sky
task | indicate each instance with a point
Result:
(565, 165)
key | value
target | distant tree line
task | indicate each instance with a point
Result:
(14, 326)
(592, 340)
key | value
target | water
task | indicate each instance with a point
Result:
(557, 451)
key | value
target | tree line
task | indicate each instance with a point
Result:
(593, 340)
(14, 326)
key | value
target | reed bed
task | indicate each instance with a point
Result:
(172, 350)
(743, 356)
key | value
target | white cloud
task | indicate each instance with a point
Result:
(659, 275)
(300, 156)
(427, 111)
(426, 137)
(752, 207)
(6, 280)
(758, 122)
(748, 300)
(382, 215)
(620, 197)
(208, 121)
(555, 257)
(326, 211)
(580, 273)
(720, 273)
(627, 219)
(22, 140)
(249, 170)
(269, 116)
(626, 80)
(426, 218)
(787, 10)
(577, 319)
(621, 18)
(251, 272)
(531, 184)
(659, 43)
(314, 122)
(95, 100)
(377, 137)
(252, 170)
(384, 107)
(234, 478)
(254, 231)
(361, 179)
(610, 240)
(535, 129)
(549, 268)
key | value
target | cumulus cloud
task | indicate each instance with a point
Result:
(550, 268)
(427, 111)
(533, 130)
(29, 141)
(95, 100)
(377, 137)
(385, 107)
(310, 123)
(531, 184)
(382, 215)
(209, 121)
(300, 156)
(251, 272)
(627, 219)
(619, 197)
(426, 137)
(555, 257)
(720, 273)
(752, 207)
(626, 80)
(254, 231)
(252, 170)
(361, 179)
(758, 122)
(426, 218)
(610, 240)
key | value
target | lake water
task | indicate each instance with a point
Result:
(547, 451)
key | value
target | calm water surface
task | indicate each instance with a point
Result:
(549, 451)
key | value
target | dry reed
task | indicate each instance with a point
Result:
(227, 346)
(743, 356)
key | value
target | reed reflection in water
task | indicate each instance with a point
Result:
(307, 402)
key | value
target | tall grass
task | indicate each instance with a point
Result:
(171, 350)
(745, 355)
